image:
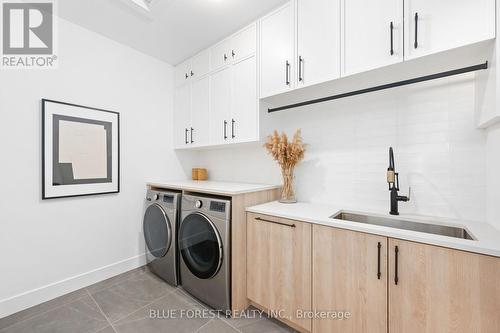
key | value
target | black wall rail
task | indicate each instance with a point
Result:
(384, 86)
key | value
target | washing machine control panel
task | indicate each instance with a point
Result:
(198, 204)
(217, 206)
(168, 198)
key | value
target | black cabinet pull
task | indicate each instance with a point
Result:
(192, 73)
(186, 136)
(225, 57)
(396, 277)
(186, 75)
(416, 30)
(232, 128)
(192, 129)
(274, 222)
(392, 38)
(232, 53)
(225, 130)
(287, 73)
(301, 61)
(379, 273)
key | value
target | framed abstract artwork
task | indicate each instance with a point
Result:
(80, 150)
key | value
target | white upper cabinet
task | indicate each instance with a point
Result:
(220, 106)
(216, 100)
(200, 112)
(434, 26)
(182, 73)
(200, 64)
(220, 54)
(372, 34)
(244, 120)
(244, 43)
(309, 42)
(193, 68)
(318, 41)
(182, 116)
(277, 51)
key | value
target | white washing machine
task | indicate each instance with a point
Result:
(160, 234)
(205, 249)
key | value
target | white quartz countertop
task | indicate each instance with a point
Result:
(487, 237)
(213, 187)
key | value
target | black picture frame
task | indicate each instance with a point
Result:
(44, 103)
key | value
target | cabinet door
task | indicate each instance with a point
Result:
(182, 115)
(182, 73)
(200, 112)
(318, 38)
(200, 64)
(367, 34)
(279, 266)
(346, 278)
(220, 106)
(244, 106)
(220, 54)
(244, 43)
(433, 26)
(277, 51)
(442, 290)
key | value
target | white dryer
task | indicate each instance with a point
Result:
(160, 234)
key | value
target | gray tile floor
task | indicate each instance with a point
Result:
(124, 304)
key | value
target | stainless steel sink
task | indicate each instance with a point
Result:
(435, 229)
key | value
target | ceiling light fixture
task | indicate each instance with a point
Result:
(144, 4)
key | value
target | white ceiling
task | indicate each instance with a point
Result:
(174, 30)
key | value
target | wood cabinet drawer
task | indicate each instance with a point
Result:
(434, 289)
(279, 267)
(349, 274)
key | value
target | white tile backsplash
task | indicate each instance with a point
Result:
(438, 150)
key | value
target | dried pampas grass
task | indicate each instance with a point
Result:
(288, 154)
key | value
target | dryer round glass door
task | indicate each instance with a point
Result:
(157, 231)
(200, 245)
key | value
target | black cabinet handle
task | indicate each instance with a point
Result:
(186, 136)
(287, 73)
(186, 75)
(192, 73)
(225, 130)
(274, 222)
(192, 129)
(392, 38)
(301, 61)
(225, 57)
(232, 128)
(379, 273)
(232, 53)
(396, 277)
(416, 31)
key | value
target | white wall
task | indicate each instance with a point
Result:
(438, 150)
(492, 174)
(60, 242)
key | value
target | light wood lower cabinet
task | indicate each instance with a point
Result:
(442, 290)
(386, 285)
(279, 267)
(349, 274)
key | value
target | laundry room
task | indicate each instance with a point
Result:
(241, 166)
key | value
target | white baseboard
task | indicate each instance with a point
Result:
(45, 293)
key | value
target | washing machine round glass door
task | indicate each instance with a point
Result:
(200, 245)
(157, 230)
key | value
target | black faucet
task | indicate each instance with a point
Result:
(393, 181)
